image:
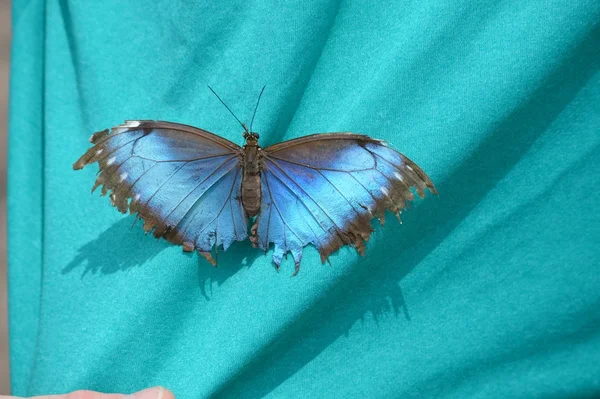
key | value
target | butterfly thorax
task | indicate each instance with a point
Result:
(251, 178)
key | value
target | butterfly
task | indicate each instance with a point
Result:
(202, 191)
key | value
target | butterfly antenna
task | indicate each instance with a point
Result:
(255, 108)
(228, 109)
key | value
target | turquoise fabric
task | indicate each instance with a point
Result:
(491, 289)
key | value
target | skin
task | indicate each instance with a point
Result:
(149, 393)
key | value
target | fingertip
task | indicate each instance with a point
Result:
(153, 393)
(166, 394)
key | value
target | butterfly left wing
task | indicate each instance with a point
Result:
(183, 181)
(324, 189)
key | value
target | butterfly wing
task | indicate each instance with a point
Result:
(182, 181)
(324, 189)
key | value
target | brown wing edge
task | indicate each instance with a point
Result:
(321, 136)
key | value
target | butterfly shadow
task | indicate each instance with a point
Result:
(117, 249)
(122, 247)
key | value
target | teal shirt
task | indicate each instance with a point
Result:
(491, 289)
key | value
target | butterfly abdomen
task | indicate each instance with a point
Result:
(251, 194)
(251, 181)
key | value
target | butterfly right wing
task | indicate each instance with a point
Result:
(324, 189)
(182, 181)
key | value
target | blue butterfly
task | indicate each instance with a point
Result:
(201, 191)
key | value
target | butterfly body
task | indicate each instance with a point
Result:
(201, 191)
(251, 171)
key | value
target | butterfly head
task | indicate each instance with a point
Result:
(251, 137)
